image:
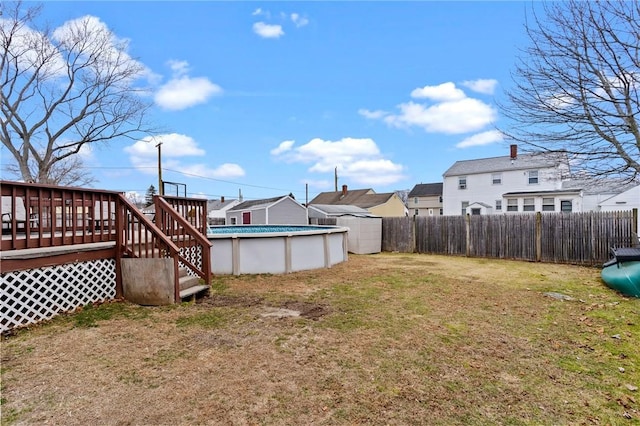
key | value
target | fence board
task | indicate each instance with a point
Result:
(575, 238)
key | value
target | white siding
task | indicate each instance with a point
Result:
(481, 189)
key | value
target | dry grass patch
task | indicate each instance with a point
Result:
(380, 339)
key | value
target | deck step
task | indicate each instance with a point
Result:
(192, 291)
(188, 281)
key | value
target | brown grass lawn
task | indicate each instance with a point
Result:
(381, 339)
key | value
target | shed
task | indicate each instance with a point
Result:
(282, 210)
(365, 229)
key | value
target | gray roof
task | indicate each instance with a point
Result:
(257, 203)
(505, 163)
(426, 190)
(340, 209)
(218, 204)
(365, 198)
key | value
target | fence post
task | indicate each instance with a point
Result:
(413, 233)
(538, 236)
(634, 225)
(467, 223)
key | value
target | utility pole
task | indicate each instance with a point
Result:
(160, 185)
(335, 179)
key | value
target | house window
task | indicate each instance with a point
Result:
(465, 204)
(498, 205)
(512, 205)
(533, 177)
(234, 221)
(415, 201)
(475, 212)
(548, 205)
(566, 206)
(415, 213)
(462, 182)
(529, 205)
(496, 178)
(441, 212)
(440, 199)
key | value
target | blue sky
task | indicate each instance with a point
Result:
(266, 97)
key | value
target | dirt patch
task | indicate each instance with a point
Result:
(290, 308)
(307, 310)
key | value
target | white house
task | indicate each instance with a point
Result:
(282, 210)
(626, 200)
(217, 209)
(512, 183)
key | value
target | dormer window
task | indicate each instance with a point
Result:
(462, 182)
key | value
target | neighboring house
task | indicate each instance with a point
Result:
(425, 199)
(217, 209)
(626, 200)
(282, 210)
(512, 183)
(383, 205)
(597, 191)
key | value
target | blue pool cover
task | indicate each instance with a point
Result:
(255, 229)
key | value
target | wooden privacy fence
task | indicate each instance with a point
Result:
(575, 238)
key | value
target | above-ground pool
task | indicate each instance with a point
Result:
(276, 249)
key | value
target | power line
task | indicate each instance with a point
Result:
(193, 175)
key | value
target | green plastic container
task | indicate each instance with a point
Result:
(623, 277)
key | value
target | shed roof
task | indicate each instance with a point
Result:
(340, 209)
(265, 202)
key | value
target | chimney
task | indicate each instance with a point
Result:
(222, 198)
(514, 152)
(344, 191)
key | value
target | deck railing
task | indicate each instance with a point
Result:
(35, 216)
(38, 216)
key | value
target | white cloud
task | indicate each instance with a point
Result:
(447, 109)
(182, 91)
(358, 159)
(485, 86)
(283, 147)
(257, 12)
(89, 39)
(143, 154)
(455, 117)
(268, 31)
(480, 139)
(226, 170)
(372, 115)
(441, 93)
(298, 20)
(173, 145)
(179, 68)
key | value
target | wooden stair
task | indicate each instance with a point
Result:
(190, 286)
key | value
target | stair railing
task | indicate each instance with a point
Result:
(139, 237)
(194, 247)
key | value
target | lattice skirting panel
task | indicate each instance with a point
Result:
(34, 295)
(194, 255)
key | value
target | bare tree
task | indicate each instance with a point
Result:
(61, 90)
(577, 86)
